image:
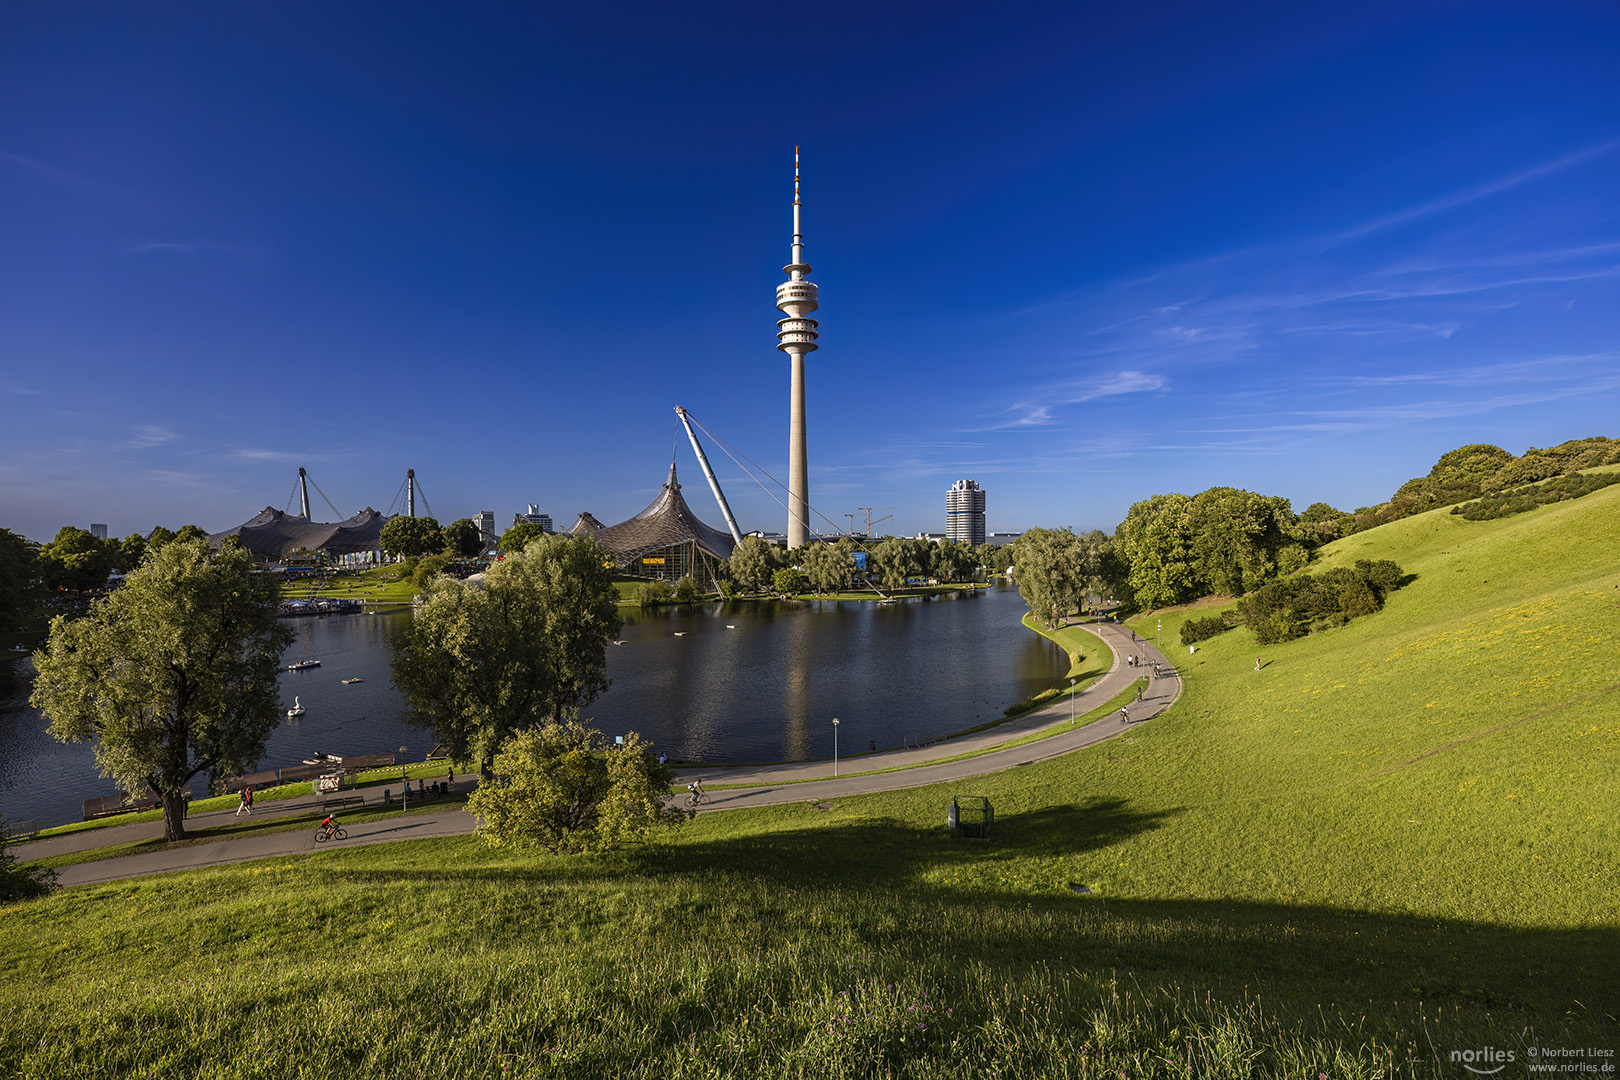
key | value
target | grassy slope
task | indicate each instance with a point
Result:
(1330, 867)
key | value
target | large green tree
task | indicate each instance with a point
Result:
(19, 573)
(172, 675)
(897, 560)
(463, 539)
(518, 536)
(1052, 568)
(752, 564)
(525, 646)
(412, 537)
(828, 567)
(75, 559)
(563, 788)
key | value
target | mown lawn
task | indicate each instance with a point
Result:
(1394, 842)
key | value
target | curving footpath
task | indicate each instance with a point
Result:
(745, 785)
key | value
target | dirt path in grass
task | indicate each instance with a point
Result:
(731, 787)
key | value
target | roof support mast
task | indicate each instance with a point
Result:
(303, 493)
(714, 485)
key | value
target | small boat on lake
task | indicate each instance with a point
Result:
(303, 665)
(297, 710)
(346, 682)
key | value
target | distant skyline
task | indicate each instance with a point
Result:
(1080, 253)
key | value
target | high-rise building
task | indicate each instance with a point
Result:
(534, 517)
(796, 335)
(485, 520)
(98, 530)
(964, 513)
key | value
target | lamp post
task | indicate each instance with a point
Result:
(405, 783)
(835, 746)
(1160, 634)
(1071, 703)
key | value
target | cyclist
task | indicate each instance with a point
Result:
(329, 826)
(695, 792)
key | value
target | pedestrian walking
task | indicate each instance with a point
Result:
(245, 806)
(1138, 693)
(872, 746)
(1257, 663)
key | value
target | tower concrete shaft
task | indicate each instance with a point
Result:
(796, 335)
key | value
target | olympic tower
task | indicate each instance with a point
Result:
(796, 336)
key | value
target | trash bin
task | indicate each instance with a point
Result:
(971, 817)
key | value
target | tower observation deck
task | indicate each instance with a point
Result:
(796, 335)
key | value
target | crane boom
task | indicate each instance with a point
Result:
(714, 485)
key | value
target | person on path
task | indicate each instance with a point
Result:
(1125, 714)
(246, 804)
(1257, 663)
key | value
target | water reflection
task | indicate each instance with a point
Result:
(724, 682)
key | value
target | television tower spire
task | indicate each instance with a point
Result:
(796, 335)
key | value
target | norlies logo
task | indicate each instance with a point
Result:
(1487, 1061)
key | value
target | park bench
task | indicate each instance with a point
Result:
(340, 801)
(21, 832)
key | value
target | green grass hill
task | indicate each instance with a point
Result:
(1393, 844)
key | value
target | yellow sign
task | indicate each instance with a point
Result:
(658, 559)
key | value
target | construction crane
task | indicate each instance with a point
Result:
(869, 521)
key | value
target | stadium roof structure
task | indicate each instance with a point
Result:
(666, 540)
(275, 534)
(585, 523)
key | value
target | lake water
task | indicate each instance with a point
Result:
(719, 683)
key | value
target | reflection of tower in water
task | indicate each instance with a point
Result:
(798, 695)
(796, 335)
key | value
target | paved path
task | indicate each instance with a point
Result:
(757, 785)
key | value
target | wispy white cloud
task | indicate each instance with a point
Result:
(61, 177)
(146, 436)
(1126, 382)
(1476, 192)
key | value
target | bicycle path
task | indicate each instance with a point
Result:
(746, 785)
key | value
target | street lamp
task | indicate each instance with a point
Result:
(405, 783)
(1160, 636)
(835, 746)
(1071, 703)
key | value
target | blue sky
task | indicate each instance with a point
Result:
(1081, 253)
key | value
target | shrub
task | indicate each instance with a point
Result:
(1196, 630)
(428, 567)
(687, 591)
(1284, 610)
(21, 882)
(654, 593)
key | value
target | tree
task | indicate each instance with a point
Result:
(18, 576)
(526, 647)
(463, 539)
(131, 550)
(75, 560)
(828, 567)
(562, 788)
(518, 536)
(412, 537)
(172, 675)
(787, 581)
(1052, 568)
(191, 532)
(896, 561)
(158, 537)
(752, 563)
(954, 561)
